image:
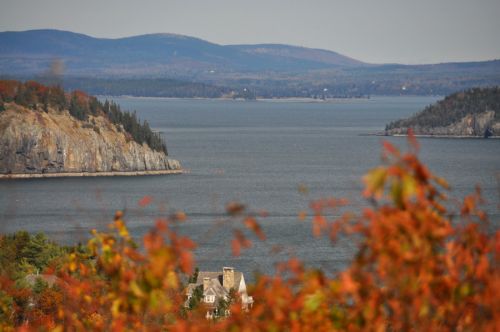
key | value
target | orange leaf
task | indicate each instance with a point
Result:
(186, 262)
(348, 284)
(412, 140)
(236, 246)
(252, 224)
(391, 149)
(319, 223)
(180, 216)
(239, 241)
(302, 215)
(145, 201)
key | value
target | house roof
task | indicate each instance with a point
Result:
(217, 288)
(212, 275)
(215, 285)
(219, 277)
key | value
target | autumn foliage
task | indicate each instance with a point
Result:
(416, 268)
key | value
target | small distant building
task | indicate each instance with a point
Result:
(217, 286)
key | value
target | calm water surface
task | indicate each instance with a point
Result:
(258, 153)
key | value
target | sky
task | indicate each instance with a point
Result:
(375, 31)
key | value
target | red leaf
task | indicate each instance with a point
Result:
(412, 140)
(235, 245)
(391, 149)
(145, 201)
(319, 223)
(254, 226)
(186, 262)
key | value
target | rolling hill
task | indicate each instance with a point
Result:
(32, 51)
(175, 65)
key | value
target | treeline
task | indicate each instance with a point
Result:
(24, 258)
(355, 87)
(453, 108)
(170, 88)
(36, 96)
(22, 253)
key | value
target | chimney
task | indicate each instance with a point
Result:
(206, 283)
(228, 278)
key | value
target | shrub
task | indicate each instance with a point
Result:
(416, 268)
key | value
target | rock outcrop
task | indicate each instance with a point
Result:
(473, 125)
(52, 141)
(471, 113)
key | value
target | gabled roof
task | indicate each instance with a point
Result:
(219, 277)
(212, 275)
(210, 291)
(216, 288)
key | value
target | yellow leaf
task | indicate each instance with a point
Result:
(409, 186)
(375, 181)
(313, 301)
(136, 290)
(115, 307)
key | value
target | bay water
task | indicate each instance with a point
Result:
(273, 156)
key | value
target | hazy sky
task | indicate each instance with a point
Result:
(378, 31)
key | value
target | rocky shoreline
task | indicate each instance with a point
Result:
(88, 174)
(442, 136)
(480, 125)
(381, 134)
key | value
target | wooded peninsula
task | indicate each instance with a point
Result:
(471, 113)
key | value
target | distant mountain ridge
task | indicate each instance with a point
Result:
(299, 52)
(174, 65)
(29, 51)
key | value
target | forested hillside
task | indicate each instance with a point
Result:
(155, 87)
(168, 65)
(454, 108)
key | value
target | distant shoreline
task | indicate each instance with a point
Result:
(87, 174)
(429, 136)
(284, 99)
(446, 136)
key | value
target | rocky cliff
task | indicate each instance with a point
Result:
(473, 125)
(36, 141)
(474, 112)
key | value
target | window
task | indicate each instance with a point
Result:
(210, 298)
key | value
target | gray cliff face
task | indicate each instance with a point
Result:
(55, 142)
(471, 125)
